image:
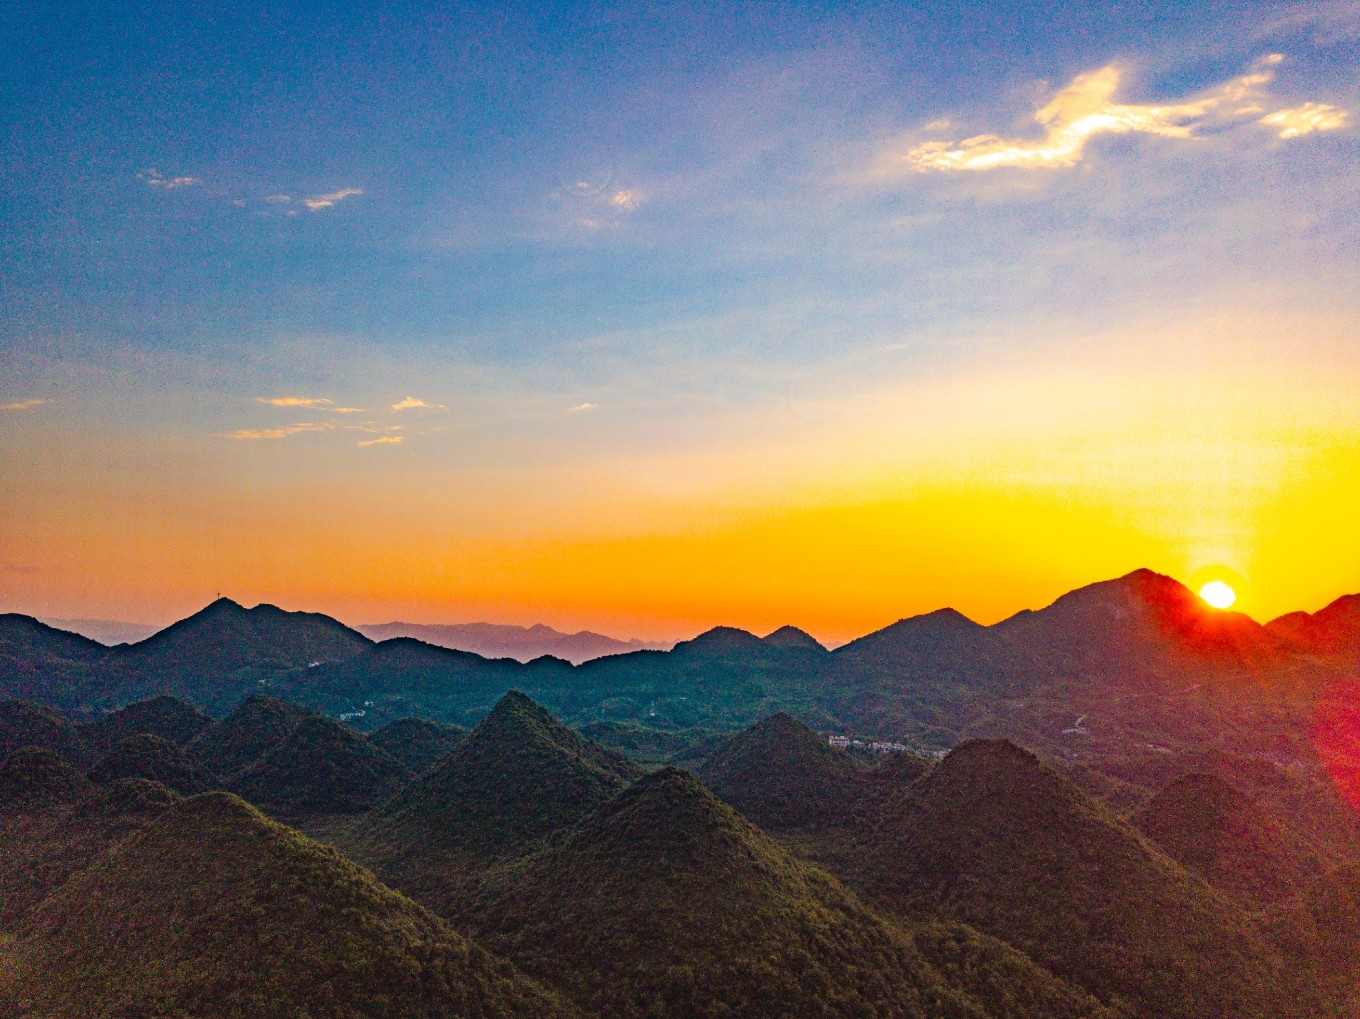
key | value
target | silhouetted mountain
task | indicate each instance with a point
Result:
(997, 840)
(42, 663)
(24, 724)
(417, 742)
(918, 638)
(667, 902)
(791, 636)
(1334, 630)
(783, 776)
(719, 640)
(36, 778)
(216, 657)
(155, 759)
(523, 643)
(213, 910)
(321, 767)
(105, 631)
(1215, 831)
(246, 735)
(518, 776)
(167, 717)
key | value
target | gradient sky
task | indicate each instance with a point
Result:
(647, 319)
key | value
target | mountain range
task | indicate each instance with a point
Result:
(528, 870)
(523, 643)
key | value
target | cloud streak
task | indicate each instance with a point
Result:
(287, 431)
(318, 202)
(310, 402)
(156, 179)
(411, 403)
(386, 440)
(1086, 109)
(28, 404)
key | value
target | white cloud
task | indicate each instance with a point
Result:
(319, 202)
(300, 428)
(159, 180)
(581, 408)
(626, 199)
(411, 403)
(386, 440)
(1305, 119)
(1087, 108)
(28, 404)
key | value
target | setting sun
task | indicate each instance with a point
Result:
(1218, 594)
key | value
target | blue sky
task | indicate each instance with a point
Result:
(616, 243)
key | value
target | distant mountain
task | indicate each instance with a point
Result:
(667, 902)
(167, 717)
(783, 776)
(153, 758)
(320, 767)
(214, 911)
(106, 631)
(417, 742)
(518, 776)
(43, 663)
(997, 840)
(524, 643)
(791, 636)
(721, 640)
(218, 656)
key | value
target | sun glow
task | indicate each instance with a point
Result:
(1218, 594)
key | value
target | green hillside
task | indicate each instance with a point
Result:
(215, 911)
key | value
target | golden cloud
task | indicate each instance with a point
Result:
(386, 440)
(1087, 108)
(319, 202)
(280, 433)
(28, 404)
(411, 403)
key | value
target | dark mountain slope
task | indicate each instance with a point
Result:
(999, 841)
(154, 759)
(166, 717)
(417, 743)
(667, 902)
(38, 779)
(783, 776)
(41, 848)
(518, 776)
(246, 735)
(321, 767)
(42, 663)
(25, 724)
(214, 910)
(216, 657)
(1334, 630)
(1227, 838)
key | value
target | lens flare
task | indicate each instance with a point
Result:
(1218, 594)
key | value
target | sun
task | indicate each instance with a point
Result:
(1218, 594)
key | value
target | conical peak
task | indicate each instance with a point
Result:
(793, 637)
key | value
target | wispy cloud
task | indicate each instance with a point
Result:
(386, 440)
(1086, 108)
(411, 403)
(1305, 119)
(28, 404)
(581, 408)
(319, 202)
(280, 433)
(159, 180)
(310, 402)
(1326, 23)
